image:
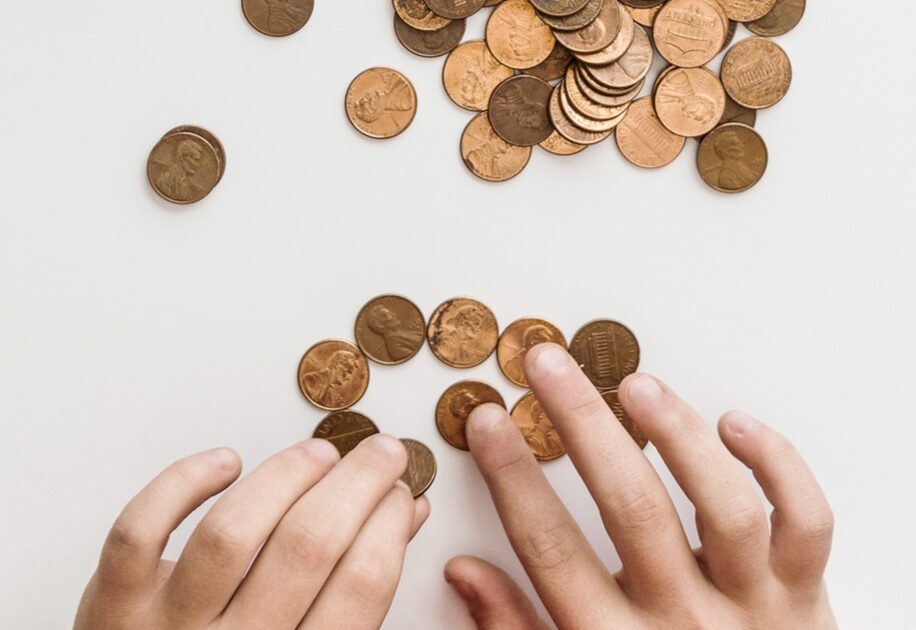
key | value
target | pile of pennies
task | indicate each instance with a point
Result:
(567, 74)
(186, 164)
(462, 333)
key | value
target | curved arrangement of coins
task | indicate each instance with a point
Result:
(462, 333)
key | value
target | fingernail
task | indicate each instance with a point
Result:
(321, 450)
(549, 357)
(387, 444)
(740, 423)
(464, 589)
(226, 458)
(486, 418)
(644, 389)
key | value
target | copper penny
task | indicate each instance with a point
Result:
(558, 145)
(345, 429)
(746, 10)
(738, 113)
(584, 105)
(756, 73)
(455, 407)
(455, 9)
(615, 50)
(517, 339)
(421, 467)
(554, 67)
(417, 14)
(643, 140)
(590, 89)
(429, 43)
(381, 103)
(390, 329)
(577, 20)
(607, 351)
(278, 18)
(537, 429)
(210, 139)
(782, 18)
(488, 156)
(613, 401)
(690, 101)
(559, 8)
(471, 73)
(333, 375)
(565, 126)
(517, 36)
(732, 158)
(646, 16)
(462, 332)
(183, 168)
(598, 34)
(584, 122)
(689, 33)
(630, 69)
(518, 110)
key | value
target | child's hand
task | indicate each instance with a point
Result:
(743, 577)
(333, 537)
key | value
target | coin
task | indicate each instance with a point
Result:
(333, 375)
(588, 87)
(738, 113)
(278, 18)
(421, 467)
(416, 13)
(455, 407)
(210, 139)
(782, 18)
(575, 21)
(690, 101)
(381, 103)
(643, 140)
(429, 43)
(558, 145)
(559, 8)
(689, 33)
(756, 73)
(345, 429)
(518, 110)
(462, 332)
(615, 50)
(554, 67)
(630, 69)
(488, 156)
(390, 329)
(646, 16)
(455, 9)
(596, 35)
(565, 126)
(517, 339)
(517, 36)
(732, 158)
(607, 351)
(183, 168)
(537, 429)
(584, 105)
(746, 10)
(471, 73)
(613, 401)
(584, 122)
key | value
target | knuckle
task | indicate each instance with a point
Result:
(511, 465)
(638, 507)
(550, 546)
(819, 524)
(221, 535)
(311, 546)
(589, 407)
(744, 520)
(375, 579)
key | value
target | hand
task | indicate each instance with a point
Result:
(333, 532)
(743, 577)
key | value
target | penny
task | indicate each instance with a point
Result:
(558, 145)
(598, 34)
(607, 352)
(421, 467)
(390, 329)
(416, 13)
(746, 10)
(577, 20)
(518, 110)
(488, 156)
(613, 401)
(732, 158)
(756, 73)
(455, 9)
(537, 429)
(646, 16)
(559, 8)
(183, 168)
(643, 140)
(554, 67)
(278, 18)
(517, 339)
(738, 113)
(782, 18)
(462, 332)
(584, 105)
(333, 375)
(210, 139)
(345, 430)
(455, 407)
(643, 4)
(565, 126)
(584, 122)
(517, 36)
(689, 33)
(615, 50)
(381, 103)
(630, 69)
(590, 89)
(429, 43)
(471, 73)
(690, 101)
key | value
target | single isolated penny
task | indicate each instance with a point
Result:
(488, 156)
(416, 13)
(613, 401)
(462, 332)
(689, 33)
(607, 351)
(756, 73)
(517, 36)
(421, 467)
(429, 43)
(381, 103)
(643, 140)
(519, 110)
(782, 18)
(183, 168)
(345, 429)
(471, 73)
(333, 375)
(455, 406)
(517, 339)
(390, 329)
(732, 158)
(278, 18)
(455, 9)
(537, 429)
(690, 101)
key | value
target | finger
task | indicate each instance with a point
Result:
(802, 518)
(304, 548)
(221, 549)
(420, 514)
(572, 582)
(637, 511)
(494, 600)
(735, 531)
(362, 585)
(134, 546)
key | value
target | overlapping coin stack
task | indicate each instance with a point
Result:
(186, 164)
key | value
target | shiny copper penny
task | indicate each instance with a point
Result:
(381, 103)
(596, 35)
(554, 67)
(630, 69)
(537, 429)
(613, 401)
(471, 73)
(416, 13)
(615, 50)
(607, 351)
(345, 429)
(390, 329)
(690, 101)
(746, 10)
(559, 8)
(429, 43)
(689, 33)
(590, 89)
(577, 20)
(517, 339)
(421, 467)
(732, 158)
(455, 9)
(565, 126)
(518, 110)
(643, 140)
(183, 168)
(455, 407)
(278, 18)
(333, 375)
(488, 156)
(782, 18)
(210, 139)
(462, 332)
(517, 36)
(586, 106)
(585, 123)
(756, 73)
(558, 145)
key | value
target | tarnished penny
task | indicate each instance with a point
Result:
(462, 332)
(738, 113)
(416, 13)
(782, 18)
(381, 103)
(577, 20)
(565, 126)
(746, 10)
(345, 429)
(559, 8)
(333, 375)
(455, 406)
(631, 68)
(690, 101)
(210, 138)
(455, 9)
(421, 467)
(517, 339)
(607, 351)
(390, 329)
(689, 33)
(598, 34)
(537, 429)
(613, 401)
(471, 73)
(517, 36)
(518, 110)
(558, 145)
(183, 168)
(756, 73)
(488, 156)
(429, 43)
(643, 140)
(732, 158)
(554, 67)
(278, 18)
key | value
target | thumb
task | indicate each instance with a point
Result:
(494, 600)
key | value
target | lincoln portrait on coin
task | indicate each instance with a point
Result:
(399, 343)
(533, 336)
(285, 15)
(733, 171)
(177, 180)
(392, 96)
(458, 332)
(462, 404)
(325, 385)
(540, 434)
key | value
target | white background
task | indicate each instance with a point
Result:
(134, 332)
